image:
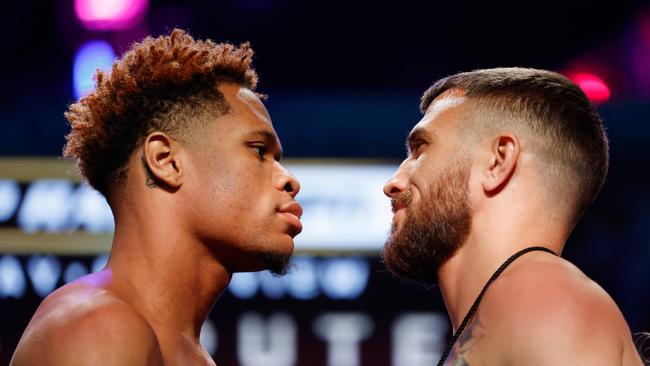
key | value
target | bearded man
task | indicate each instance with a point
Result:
(499, 170)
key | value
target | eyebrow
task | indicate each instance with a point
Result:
(418, 134)
(270, 138)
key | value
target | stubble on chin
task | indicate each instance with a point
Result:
(279, 264)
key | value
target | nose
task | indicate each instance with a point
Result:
(398, 183)
(285, 181)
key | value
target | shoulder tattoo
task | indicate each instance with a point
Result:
(467, 342)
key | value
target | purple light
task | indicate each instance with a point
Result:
(110, 14)
(90, 57)
(644, 28)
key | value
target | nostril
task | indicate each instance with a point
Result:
(286, 182)
(393, 188)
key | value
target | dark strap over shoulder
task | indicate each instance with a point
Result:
(472, 310)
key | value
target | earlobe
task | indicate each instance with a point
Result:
(504, 153)
(161, 160)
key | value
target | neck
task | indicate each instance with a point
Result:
(172, 281)
(488, 245)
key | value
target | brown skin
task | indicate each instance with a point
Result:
(542, 310)
(221, 205)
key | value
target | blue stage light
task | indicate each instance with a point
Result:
(99, 263)
(244, 285)
(302, 282)
(344, 278)
(209, 337)
(46, 206)
(12, 278)
(9, 198)
(272, 286)
(91, 212)
(91, 56)
(73, 271)
(44, 271)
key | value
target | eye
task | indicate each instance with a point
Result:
(416, 149)
(260, 150)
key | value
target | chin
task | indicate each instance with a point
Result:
(276, 262)
(284, 243)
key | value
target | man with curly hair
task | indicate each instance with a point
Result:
(499, 169)
(184, 151)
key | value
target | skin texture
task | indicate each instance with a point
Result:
(220, 204)
(542, 310)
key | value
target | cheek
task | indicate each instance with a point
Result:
(421, 179)
(232, 189)
(241, 191)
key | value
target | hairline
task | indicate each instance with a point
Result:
(186, 134)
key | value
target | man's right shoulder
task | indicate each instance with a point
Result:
(80, 325)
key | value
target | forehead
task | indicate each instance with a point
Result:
(245, 104)
(442, 114)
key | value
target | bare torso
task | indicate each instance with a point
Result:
(544, 311)
(89, 321)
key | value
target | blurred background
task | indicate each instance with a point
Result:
(344, 81)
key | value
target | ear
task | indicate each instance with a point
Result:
(504, 153)
(161, 159)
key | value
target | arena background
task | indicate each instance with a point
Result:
(344, 80)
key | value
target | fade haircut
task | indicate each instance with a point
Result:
(565, 131)
(166, 84)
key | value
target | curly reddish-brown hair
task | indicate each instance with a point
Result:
(166, 84)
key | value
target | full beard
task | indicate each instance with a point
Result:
(434, 230)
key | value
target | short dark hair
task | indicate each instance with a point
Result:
(166, 84)
(562, 122)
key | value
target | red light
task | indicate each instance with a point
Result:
(594, 87)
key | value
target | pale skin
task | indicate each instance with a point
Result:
(542, 310)
(218, 203)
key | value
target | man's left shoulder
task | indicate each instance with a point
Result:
(551, 306)
(553, 293)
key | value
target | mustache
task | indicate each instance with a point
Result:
(401, 200)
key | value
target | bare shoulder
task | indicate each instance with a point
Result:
(546, 311)
(84, 323)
